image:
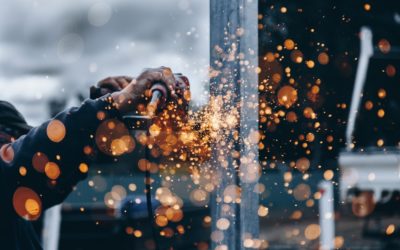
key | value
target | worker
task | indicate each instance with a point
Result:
(39, 166)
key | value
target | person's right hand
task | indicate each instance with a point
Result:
(126, 100)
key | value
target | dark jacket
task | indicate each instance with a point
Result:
(39, 169)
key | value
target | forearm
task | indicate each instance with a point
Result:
(53, 157)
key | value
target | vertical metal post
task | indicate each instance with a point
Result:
(326, 216)
(366, 51)
(234, 86)
(51, 228)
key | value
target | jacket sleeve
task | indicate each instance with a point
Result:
(40, 169)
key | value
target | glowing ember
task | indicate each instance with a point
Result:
(32, 207)
(312, 232)
(84, 168)
(27, 203)
(56, 131)
(223, 224)
(7, 153)
(39, 161)
(384, 46)
(22, 171)
(52, 170)
(287, 96)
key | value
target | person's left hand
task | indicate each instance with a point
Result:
(136, 92)
(114, 83)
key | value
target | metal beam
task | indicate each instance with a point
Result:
(234, 84)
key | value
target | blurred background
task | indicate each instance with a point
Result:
(329, 114)
(57, 49)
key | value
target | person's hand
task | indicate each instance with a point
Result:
(138, 89)
(114, 83)
(109, 85)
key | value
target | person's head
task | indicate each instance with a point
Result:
(12, 123)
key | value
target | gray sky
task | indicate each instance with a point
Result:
(56, 48)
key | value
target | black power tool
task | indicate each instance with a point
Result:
(158, 101)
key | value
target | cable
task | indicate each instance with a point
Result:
(157, 101)
(158, 98)
(150, 208)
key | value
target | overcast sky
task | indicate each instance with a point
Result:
(56, 48)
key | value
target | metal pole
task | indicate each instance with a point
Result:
(326, 216)
(234, 84)
(366, 51)
(51, 228)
